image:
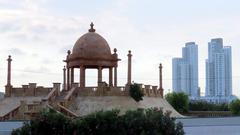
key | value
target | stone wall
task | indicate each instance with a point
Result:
(30, 90)
(148, 90)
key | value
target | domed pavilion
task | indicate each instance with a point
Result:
(91, 51)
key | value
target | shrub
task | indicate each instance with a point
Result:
(136, 92)
(179, 101)
(206, 106)
(134, 122)
(234, 107)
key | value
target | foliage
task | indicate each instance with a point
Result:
(49, 122)
(206, 106)
(136, 92)
(134, 122)
(179, 101)
(234, 107)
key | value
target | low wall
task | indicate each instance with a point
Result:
(30, 90)
(148, 90)
(102, 91)
(209, 113)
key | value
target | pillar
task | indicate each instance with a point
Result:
(160, 80)
(68, 78)
(9, 70)
(99, 74)
(82, 76)
(8, 87)
(72, 75)
(110, 77)
(64, 78)
(115, 76)
(129, 77)
(68, 70)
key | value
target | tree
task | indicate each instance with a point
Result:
(234, 107)
(136, 92)
(133, 122)
(179, 101)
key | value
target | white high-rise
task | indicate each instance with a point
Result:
(185, 71)
(218, 69)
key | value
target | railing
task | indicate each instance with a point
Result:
(70, 93)
(209, 113)
(66, 111)
(51, 95)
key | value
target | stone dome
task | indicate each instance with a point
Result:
(92, 51)
(92, 46)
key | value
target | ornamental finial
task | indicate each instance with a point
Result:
(91, 29)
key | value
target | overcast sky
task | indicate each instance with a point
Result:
(38, 33)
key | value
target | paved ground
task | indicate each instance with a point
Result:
(211, 126)
(7, 127)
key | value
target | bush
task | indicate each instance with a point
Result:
(206, 106)
(179, 101)
(234, 107)
(49, 122)
(137, 122)
(136, 92)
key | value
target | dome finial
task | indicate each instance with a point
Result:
(91, 29)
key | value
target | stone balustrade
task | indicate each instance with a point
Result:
(33, 90)
(150, 91)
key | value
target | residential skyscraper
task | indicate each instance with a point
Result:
(218, 69)
(185, 71)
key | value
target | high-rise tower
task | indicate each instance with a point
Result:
(185, 71)
(218, 69)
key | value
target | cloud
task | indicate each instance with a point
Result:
(16, 51)
(30, 26)
(64, 49)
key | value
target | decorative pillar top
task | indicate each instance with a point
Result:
(129, 53)
(64, 68)
(9, 58)
(115, 51)
(160, 65)
(68, 52)
(91, 29)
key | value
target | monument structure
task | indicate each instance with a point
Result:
(91, 51)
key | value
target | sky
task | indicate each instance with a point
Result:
(38, 33)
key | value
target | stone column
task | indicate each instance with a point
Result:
(68, 78)
(9, 70)
(115, 76)
(8, 87)
(68, 70)
(160, 80)
(64, 78)
(72, 75)
(99, 74)
(110, 77)
(129, 77)
(82, 76)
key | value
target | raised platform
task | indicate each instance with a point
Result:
(83, 105)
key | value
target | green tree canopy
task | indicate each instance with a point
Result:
(234, 107)
(179, 101)
(136, 92)
(134, 122)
